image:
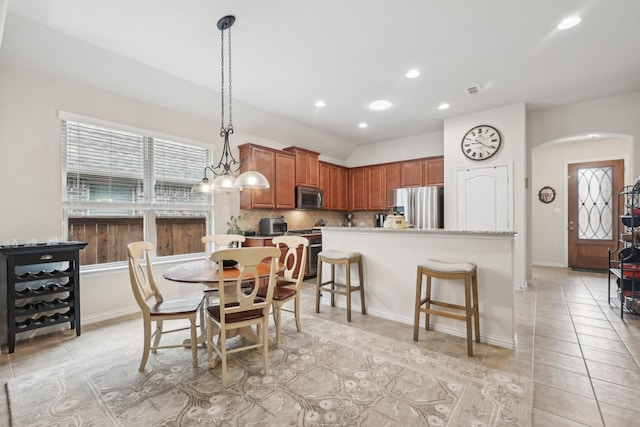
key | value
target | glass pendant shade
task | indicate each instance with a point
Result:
(225, 183)
(203, 186)
(253, 179)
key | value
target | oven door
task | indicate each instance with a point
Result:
(315, 246)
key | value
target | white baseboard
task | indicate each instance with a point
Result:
(548, 264)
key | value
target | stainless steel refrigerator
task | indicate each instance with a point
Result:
(422, 206)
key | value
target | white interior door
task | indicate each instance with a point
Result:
(483, 201)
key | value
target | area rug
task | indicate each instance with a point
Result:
(329, 375)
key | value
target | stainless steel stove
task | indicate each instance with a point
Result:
(315, 246)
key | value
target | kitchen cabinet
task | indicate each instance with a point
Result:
(358, 189)
(411, 173)
(391, 181)
(39, 286)
(433, 171)
(279, 168)
(307, 166)
(333, 181)
(376, 180)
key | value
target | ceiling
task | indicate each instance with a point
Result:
(288, 54)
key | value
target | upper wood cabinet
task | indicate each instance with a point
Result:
(333, 181)
(392, 180)
(279, 168)
(411, 173)
(433, 171)
(307, 166)
(358, 189)
(376, 179)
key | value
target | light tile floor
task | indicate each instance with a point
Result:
(583, 357)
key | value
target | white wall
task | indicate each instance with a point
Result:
(549, 167)
(619, 115)
(510, 122)
(415, 147)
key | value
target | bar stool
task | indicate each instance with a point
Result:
(448, 271)
(334, 258)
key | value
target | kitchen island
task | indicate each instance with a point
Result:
(390, 259)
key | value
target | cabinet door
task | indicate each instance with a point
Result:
(313, 169)
(325, 184)
(433, 171)
(392, 180)
(301, 167)
(358, 189)
(343, 183)
(411, 173)
(377, 187)
(285, 180)
(263, 161)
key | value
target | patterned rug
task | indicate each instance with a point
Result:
(326, 376)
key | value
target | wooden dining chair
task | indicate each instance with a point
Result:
(288, 283)
(157, 309)
(214, 242)
(239, 308)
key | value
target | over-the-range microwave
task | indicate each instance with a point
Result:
(309, 197)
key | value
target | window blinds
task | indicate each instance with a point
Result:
(102, 165)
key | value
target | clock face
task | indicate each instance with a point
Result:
(481, 142)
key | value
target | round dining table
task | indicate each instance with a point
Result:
(206, 272)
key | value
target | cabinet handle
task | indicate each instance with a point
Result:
(46, 257)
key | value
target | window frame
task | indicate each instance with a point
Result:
(149, 206)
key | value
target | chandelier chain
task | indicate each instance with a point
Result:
(229, 127)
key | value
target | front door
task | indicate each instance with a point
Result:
(593, 212)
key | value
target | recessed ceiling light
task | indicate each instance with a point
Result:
(362, 125)
(380, 105)
(320, 103)
(443, 106)
(593, 135)
(412, 74)
(569, 22)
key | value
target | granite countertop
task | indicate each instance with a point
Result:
(420, 231)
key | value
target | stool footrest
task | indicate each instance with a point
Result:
(444, 314)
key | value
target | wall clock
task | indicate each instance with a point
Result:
(481, 142)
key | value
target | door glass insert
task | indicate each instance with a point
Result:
(595, 201)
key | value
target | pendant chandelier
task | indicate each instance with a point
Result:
(226, 169)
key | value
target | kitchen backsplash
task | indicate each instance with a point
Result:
(302, 220)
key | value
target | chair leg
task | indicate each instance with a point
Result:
(222, 345)
(276, 318)
(361, 277)
(265, 346)
(194, 341)
(333, 287)
(146, 345)
(297, 311)
(156, 341)
(348, 285)
(416, 316)
(318, 282)
(427, 304)
(476, 310)
(467, 304)
(209, 338)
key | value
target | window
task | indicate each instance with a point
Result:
(122, 186)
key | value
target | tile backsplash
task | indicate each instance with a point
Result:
(302, 219)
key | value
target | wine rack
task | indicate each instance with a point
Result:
(39, 286)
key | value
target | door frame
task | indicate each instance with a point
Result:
(625, 178)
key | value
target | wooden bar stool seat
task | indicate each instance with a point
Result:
(334, 257)
(448, 271)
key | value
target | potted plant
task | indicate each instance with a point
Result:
(234, 227)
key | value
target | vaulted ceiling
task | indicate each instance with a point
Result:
(289, 54)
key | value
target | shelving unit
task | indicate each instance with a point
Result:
(39, 286)
(624, 259)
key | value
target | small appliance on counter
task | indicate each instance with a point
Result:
(379, 219)
(275, 226)
(395, 221)
(350, 221)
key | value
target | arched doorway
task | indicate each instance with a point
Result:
(549, 168)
